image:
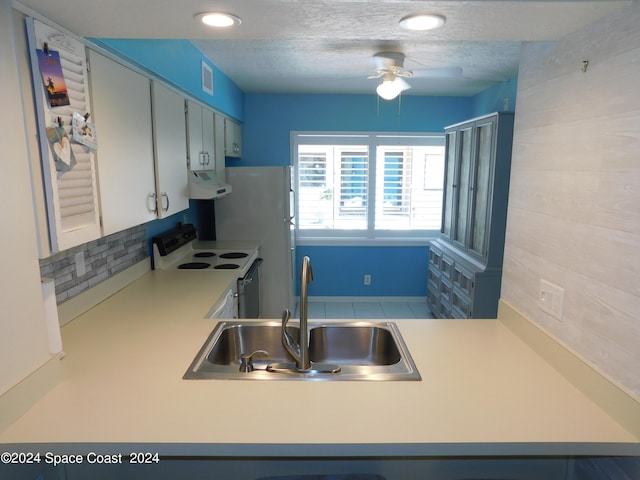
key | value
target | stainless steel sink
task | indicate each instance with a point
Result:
(363, 350)
(236, 338)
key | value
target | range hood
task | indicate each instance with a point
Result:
(205, 185)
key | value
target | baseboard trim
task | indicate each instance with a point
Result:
(368, 299)
(16, 401)
(621, 404)
(76, 306)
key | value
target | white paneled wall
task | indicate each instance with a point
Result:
(574, 205)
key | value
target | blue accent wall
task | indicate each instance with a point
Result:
(496, 98)
(179, 63)
(269, 119)
(339, 271)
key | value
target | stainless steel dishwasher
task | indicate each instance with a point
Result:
(249, 292)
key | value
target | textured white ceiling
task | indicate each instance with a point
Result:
(309, 46)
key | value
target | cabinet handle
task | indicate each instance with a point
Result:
(207, 158)
(164, 195)
(154, 203)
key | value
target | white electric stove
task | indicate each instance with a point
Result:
(178, 249)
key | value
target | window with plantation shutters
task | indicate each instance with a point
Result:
(333, 182)
(68, 165)
(409, 188)
(368, 185)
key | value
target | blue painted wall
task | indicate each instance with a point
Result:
(496, 98)
(340, 270)
(269, 119)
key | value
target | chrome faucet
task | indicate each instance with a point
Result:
(300, 350)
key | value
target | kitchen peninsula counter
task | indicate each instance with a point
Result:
(484, 391)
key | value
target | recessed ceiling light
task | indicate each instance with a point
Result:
(423, 21)
(218, 19)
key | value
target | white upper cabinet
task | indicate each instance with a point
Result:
(122, 113)
(232, 138)
(200, 129)
(170, 145)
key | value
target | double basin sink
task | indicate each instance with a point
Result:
(362, 350)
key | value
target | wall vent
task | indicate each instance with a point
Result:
(207, 79)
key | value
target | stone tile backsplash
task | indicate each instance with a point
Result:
(103, 258)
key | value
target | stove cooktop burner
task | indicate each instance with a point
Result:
(204, 254)
(234, 255)
(193, 266)
(226, 266)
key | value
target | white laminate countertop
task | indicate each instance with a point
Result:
(483, 391)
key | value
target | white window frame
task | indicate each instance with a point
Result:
(370, 235)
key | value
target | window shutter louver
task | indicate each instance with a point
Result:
(71, 195)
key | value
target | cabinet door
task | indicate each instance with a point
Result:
(232, 138)
(194, 136)
(122, 114)
(449, 184)
(170, 141)
(482, 186)
(462, 186)
(201, 137)
(208, 139)
(218, 125)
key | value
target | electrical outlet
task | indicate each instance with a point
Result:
(367, 279)
(81, 268)
(551, 298)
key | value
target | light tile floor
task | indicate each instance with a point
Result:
(319, 310)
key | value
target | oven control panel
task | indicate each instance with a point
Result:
(174, 239)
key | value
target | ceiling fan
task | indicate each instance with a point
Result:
(390, 67)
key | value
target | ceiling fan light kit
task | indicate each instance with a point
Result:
(391, 87)
(388, 89)
(390, 67)
(422, 21)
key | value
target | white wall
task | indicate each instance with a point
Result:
(574, 205)
(23, 338)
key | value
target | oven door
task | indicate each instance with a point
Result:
(249, 292)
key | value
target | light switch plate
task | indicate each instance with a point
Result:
(551, 298)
